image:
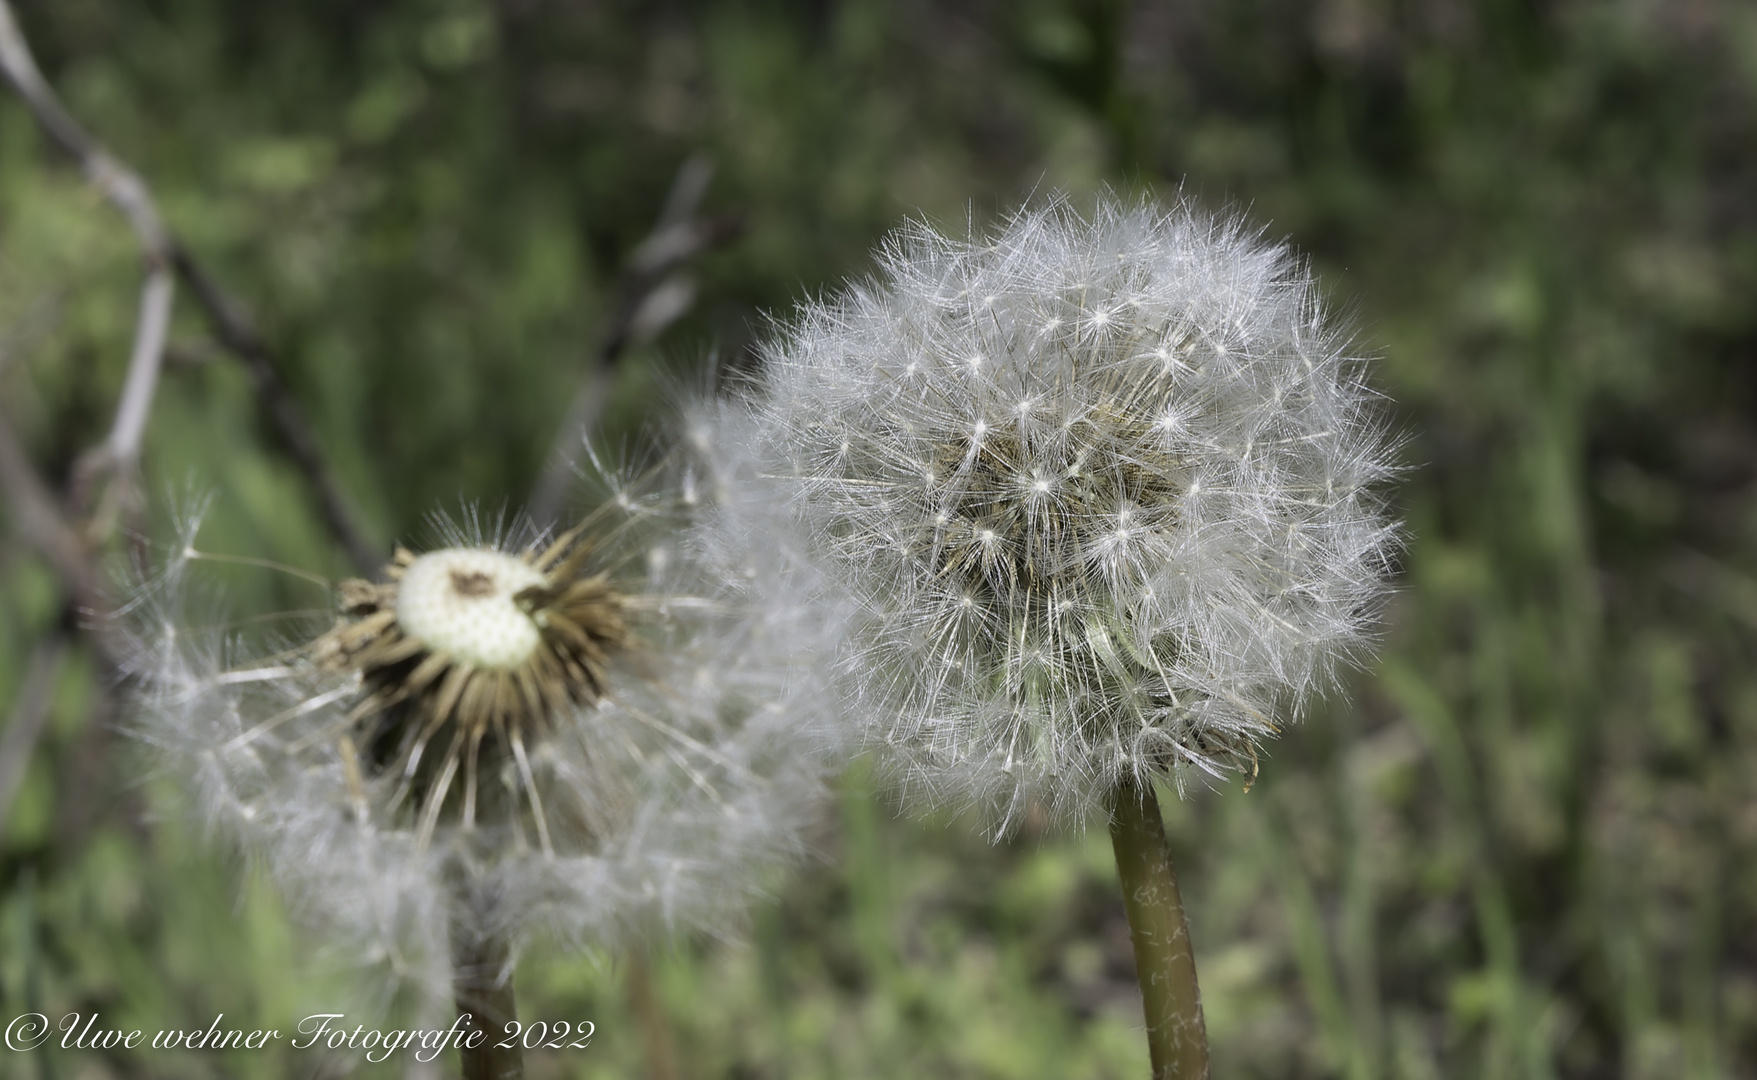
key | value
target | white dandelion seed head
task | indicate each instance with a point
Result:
(1137, 535)
(582, 740)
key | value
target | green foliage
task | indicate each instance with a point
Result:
(1521, 846)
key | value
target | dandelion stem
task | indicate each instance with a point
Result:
(655, 1028)
(485, 1000)
(1177, 1039)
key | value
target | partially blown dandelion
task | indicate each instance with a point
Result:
(586, 736)
(1105, 491)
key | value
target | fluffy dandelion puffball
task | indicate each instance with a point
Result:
(1104, 487)
(581, 736)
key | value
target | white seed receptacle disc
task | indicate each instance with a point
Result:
(460, 601)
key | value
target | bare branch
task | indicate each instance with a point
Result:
(653, 293)
(30, 715)
(143, 366)
(167, 258)
(39, 518)
(119, 184)
(119, 454)
(121, 449)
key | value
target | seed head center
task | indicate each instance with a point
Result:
(461, 602)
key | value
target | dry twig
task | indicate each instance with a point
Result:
(119, 454)
(653, 293)
(40, 519)
(167, 259)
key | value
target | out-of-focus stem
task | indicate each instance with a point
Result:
(1177, 1039)
(655, 1029)
(487, 1001)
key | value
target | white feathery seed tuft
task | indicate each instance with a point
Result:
(1105, 489)
(583, 738)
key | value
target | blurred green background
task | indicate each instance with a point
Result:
(1523, 845)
